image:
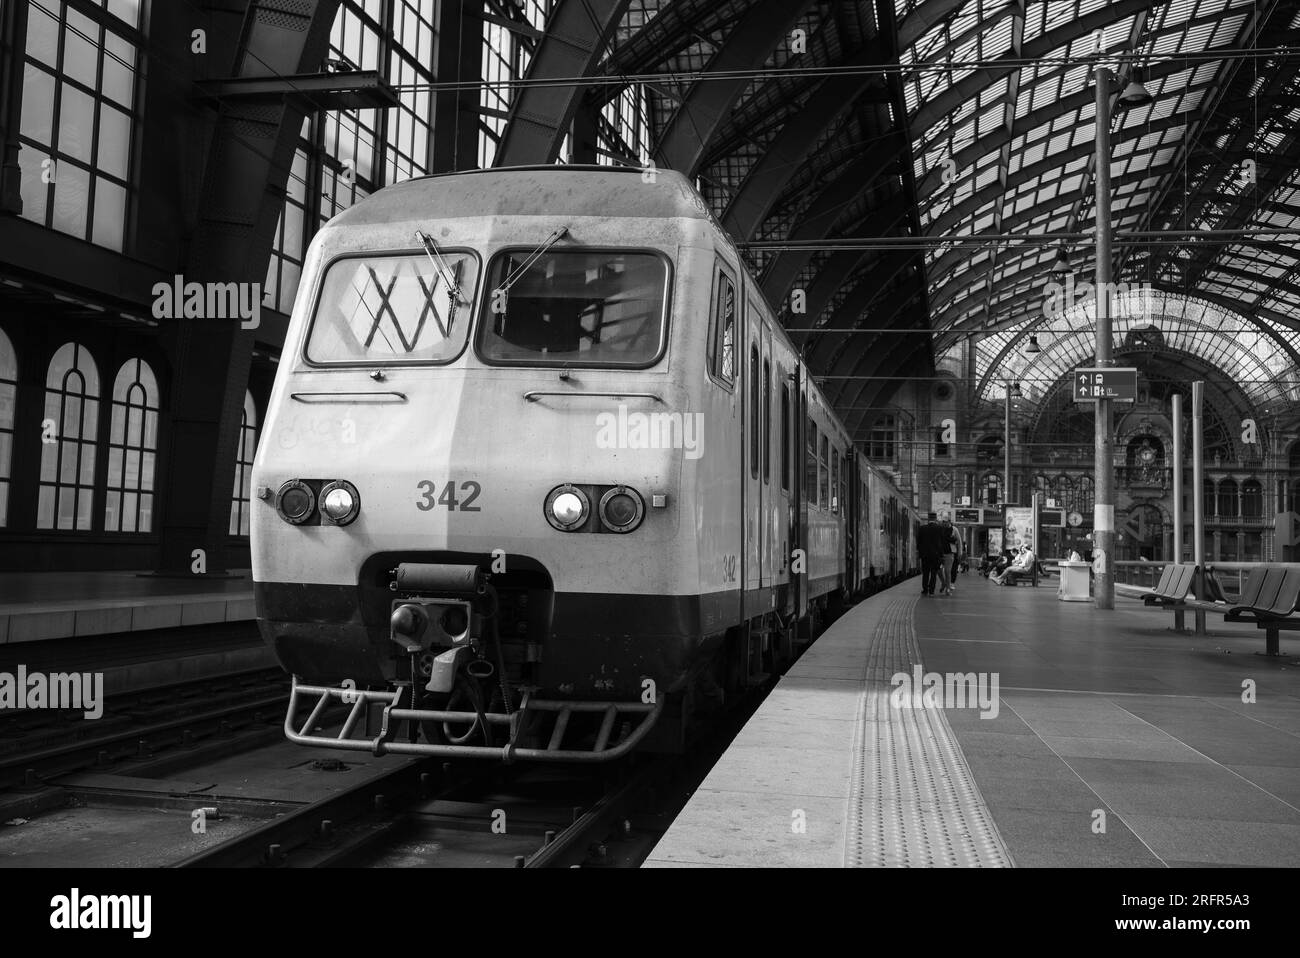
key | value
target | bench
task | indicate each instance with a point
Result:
(1175, 582)
(1025, 578)
(1268, 598)
(1271, 606)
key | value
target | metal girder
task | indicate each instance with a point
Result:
(243, 192)
(848, 361)
(874, 390)
(782, 160)
(895, 358)
(1280, 341)
(667, 32)
(359, 90)
(577, 33)
(977, 200)
(1256, 15)
(833, 274)
(941, 325)
(458, 52)
(922, 18)
(990, 142)
(686, 137)
(876, 283)
(970, 86)
(828, 206)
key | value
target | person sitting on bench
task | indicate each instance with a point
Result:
(1021, 566)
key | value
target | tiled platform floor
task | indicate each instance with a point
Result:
(1106, 719)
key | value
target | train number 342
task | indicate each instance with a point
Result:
(430, 499)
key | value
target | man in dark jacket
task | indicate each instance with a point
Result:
(930, 543)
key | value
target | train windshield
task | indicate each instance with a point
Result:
(575, 307)
(393, 309)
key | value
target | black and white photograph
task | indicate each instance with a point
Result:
(645, 435)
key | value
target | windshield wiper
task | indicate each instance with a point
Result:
(504, 289)
(447, 275)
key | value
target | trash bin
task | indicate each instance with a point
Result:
(1075, 581)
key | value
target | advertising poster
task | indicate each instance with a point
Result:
(1018, 521)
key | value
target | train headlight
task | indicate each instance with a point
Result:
(339, 502)
(621, 509)
(567, 508)
(295, 501)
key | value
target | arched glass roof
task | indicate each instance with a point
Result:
(1228, 340)
(1003, 145)
(917, 167)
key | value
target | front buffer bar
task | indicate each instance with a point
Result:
(393, 715)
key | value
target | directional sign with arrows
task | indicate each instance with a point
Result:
(1111, 382)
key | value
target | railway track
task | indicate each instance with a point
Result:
(190, 721)
(430, 813)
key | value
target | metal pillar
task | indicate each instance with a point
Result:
(1006, 449)
(1103, 523)
(1177, 401)
(1198, 494)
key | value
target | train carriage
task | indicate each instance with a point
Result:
(542, 473)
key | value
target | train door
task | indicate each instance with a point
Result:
(770, 466)
(848, 517)
(785, 513)
(753, 459)
(799, 493)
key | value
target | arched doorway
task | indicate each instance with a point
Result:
(1142, 534)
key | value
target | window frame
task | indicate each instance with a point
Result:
(755, 413)
(480, 312)
(767, 421)
(835, 479)
(811, 473)
(319, 291)
(121, 490)
(785, 437)
(716, 328)
(824, 471)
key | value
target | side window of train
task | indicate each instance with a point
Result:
(824, 463)
(844, 479)
(722, 340)
(755, 412)
(810, 465)
(767, 420)
(785, 437)
(835, 480)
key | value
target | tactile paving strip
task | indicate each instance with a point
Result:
(913, 801)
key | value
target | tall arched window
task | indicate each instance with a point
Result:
(68, 455)
(1228, 498)
(1085, 497)
(1208, 499)
(1252, 499)
(241, 498)
(1064, 490)
(991, 493)
(8, 400)
(132, 449)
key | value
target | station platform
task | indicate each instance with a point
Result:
(57, 605)
(1108, 741)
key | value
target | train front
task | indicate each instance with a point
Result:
(466, 540)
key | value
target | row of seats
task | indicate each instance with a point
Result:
(1268, 597)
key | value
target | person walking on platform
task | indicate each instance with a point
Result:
(929, 546)
(945, 553)
(954, 549)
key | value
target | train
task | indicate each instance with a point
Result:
(542, 476)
